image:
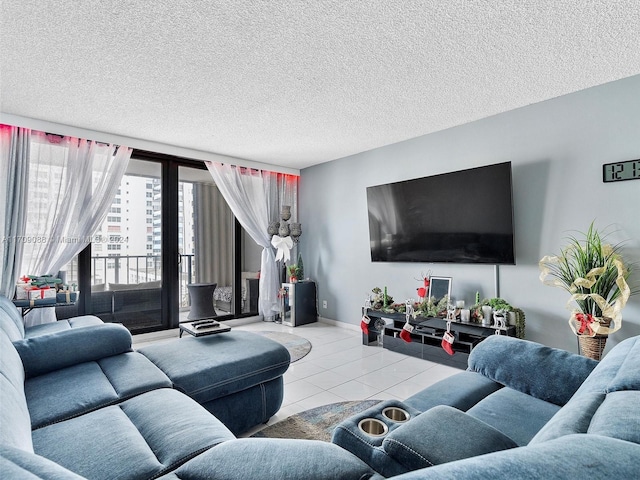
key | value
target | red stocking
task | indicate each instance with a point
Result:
(364, 324)
(447, 342)
(405, 334)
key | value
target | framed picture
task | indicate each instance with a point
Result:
(439, 287)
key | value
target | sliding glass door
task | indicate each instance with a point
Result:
(205, 237)
(210, 245)
(126, 252)
(167, 227)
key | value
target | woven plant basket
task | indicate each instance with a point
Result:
(592, 347)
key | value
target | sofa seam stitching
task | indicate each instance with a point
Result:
(393, 440)
(235, 379)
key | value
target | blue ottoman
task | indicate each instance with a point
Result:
(236, 375)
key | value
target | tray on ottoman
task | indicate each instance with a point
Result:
(201, 328)
(236, 376)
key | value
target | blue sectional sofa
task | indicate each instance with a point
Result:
(77, 402)
(521, 410)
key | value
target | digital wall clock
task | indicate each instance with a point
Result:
(619, 171)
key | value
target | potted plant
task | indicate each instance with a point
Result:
(380, 300)
(293, 273)
(483, 310)
(594, 273)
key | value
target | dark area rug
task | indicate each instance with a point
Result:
(298, 347)
(317, 423)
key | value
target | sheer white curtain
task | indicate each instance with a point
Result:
(253, 198)
(14, 176)
(72, 184)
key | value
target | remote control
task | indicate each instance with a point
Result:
(200, 322)
(206, 325)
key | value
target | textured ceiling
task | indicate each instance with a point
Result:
(296, 83)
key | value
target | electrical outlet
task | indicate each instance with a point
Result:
(324, 304)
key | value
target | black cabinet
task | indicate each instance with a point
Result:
(298, 303)
(427, 334)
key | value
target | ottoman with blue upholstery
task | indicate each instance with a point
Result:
(236, 375)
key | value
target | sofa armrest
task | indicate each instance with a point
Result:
(22, 465)
(440, 435)
(545, 373)
(46, 353)
(573, 456)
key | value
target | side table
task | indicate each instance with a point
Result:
(202, 328)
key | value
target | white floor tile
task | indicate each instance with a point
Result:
(322, 398)
(327, 379)
(433, 375)
(354, 390)
(380, 379)
(298, 390)
(404, 389)
(305, 369)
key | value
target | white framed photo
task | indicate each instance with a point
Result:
(439, 287)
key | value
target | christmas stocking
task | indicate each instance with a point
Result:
(447, 342)
(405, 333)
(364, 324)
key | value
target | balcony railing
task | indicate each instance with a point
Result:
(134, 269)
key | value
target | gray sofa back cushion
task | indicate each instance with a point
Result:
(601, 404)
(15, 422)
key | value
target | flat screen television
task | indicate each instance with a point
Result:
(457, 217)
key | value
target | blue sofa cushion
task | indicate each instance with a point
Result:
(79, 389)
(210, 367)
(546, 373)
(46, 353)
(274, 459)
(618, 416)
(142, 437)
(52, 327)
(601, 404)
(16, 464)
(462, 391)
(15, 423)
(515, 414)
(10, 319)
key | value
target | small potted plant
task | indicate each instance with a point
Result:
(483, 310)
(380, 300)
(594, 273)
(293, 273)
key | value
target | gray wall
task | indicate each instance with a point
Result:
(557, 149)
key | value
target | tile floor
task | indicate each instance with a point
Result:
(339, 368)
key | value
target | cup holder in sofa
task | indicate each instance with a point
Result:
(396, 414)
(373, 427)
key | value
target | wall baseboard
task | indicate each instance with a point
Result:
(329, 321)
(336, 323)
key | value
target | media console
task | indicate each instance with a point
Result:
(427, 335)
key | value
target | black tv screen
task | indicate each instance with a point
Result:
(458, 217)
